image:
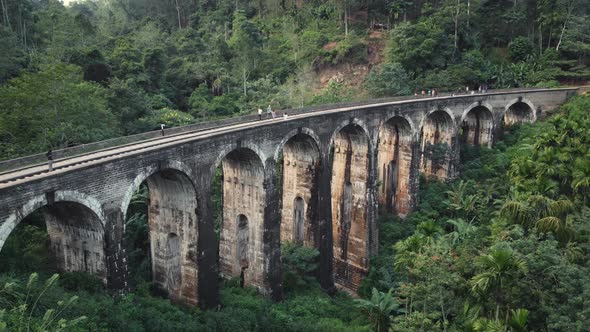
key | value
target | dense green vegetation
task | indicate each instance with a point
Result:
(507, 248)
(134, 64)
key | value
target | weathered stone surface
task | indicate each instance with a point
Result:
(241, 245)
(519, 112)
(173, 234)
(350, 176)
(394, 166)
(77, 238)
(477, 127)
(437, 138)
(301, 160)
(355, 150)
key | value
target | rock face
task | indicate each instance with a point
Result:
(317, 178)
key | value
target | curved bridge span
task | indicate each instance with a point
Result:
(338, 168)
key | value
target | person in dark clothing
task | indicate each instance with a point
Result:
(49, 160)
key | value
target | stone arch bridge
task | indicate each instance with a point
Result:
(338, 167)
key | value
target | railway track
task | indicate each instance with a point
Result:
(13, 177)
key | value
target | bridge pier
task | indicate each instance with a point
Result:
(116, 254)
(273, 276)
(207, 245)
(326, 244)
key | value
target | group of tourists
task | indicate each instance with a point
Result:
(429, 93)
(270, 113)
(483, 88)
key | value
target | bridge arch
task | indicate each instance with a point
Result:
(519, 110)
(172, 226)
(351, 151)
(148, 171)
(409, 121)
(300, 162)
(394, 163)
(75, 224)
(437, 142)
(354, 122)
(242, 194)
(477, 125)
(229, 148)
(299, 131)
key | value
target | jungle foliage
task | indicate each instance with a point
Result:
(99, 69)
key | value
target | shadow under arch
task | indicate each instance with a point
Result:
(242, 194)
(300, 164)
(477, 125)
(437, 134)
(394, 163)
(75, 225)
(351, 148)
(171, 209)
(518, 110)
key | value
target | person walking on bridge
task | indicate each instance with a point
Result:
(268, 111)
(259, 113)
(49, 155)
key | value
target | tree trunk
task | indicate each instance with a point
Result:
(569, 12)
(244, 79)
(346, 18)
(5, 15)
(178, 13)
(456, 27)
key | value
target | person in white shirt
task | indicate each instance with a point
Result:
(285, 116)
(259, 113)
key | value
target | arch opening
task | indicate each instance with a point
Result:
(299, 171)
(477, 127)
(394, 162)
(64, 236)
(298, 220)
(517, 113)
(241, 213)
(350, 229)
(162, 221)
(242, 246)
(436, 144)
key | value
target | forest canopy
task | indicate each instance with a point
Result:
(146, 62)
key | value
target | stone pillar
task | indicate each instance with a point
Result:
(273, 277)
(454, 158)
(324, 236)
(414, 185)
(116, 255)
(372, 205)
(208, 283)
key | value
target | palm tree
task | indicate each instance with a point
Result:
(379, 308)
(458, 200)
(543, 213)
(500, 268)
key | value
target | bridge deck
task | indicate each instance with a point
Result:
(36, 171)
